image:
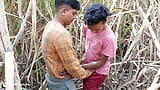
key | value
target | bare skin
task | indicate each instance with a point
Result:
(92, 65)
(96, 64)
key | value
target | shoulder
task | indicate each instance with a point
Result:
(63, 35)
(109, 34)
(108, 37)
(84, 30)
(85, 27)
(56, 31)
(50, 25)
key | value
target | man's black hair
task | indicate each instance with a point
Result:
(96, 13)
(74, 4)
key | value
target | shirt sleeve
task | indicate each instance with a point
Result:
(84, 30)
(109, 47)
(68, 57)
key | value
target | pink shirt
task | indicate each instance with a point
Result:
(97, 44)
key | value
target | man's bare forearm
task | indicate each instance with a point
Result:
(92, 65)
(96, 64)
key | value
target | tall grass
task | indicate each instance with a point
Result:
(136, 26)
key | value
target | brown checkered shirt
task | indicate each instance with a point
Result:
(58, 52)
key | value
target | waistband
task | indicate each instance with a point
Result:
(56, 79)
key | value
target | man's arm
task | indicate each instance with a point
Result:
(68, 57)
(96, 64)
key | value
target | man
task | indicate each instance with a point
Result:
(57, 48)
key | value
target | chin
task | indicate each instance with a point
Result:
(69, 23)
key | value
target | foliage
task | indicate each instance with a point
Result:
(136, 64)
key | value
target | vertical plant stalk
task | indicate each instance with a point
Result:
(41, 14)
(19, 8)
(158, 21)
(2, 49)
(49, 8)
(43, 85)
(9, 80)
(11, 71)
(33, 35)
(21, 30)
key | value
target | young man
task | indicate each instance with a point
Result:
(100, 45)
(57, 48)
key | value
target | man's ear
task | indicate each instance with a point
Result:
(103, 22)
(63, 11)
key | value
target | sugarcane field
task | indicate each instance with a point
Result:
(136, 26)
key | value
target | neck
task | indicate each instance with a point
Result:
(104, 27)
(59, 19)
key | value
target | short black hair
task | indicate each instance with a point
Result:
(96, 13)
(74, 4)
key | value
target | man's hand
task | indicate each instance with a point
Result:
(63, 73)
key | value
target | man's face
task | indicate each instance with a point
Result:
(70, 15)
(97, 27)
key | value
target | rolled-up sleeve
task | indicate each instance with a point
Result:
(67, 54)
